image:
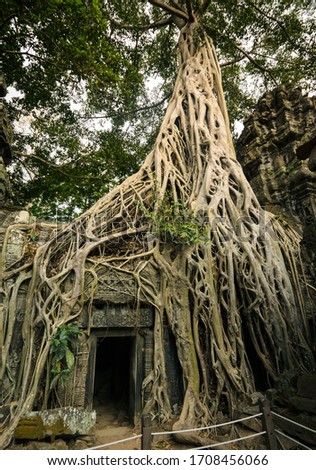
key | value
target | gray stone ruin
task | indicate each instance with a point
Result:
(277, 150)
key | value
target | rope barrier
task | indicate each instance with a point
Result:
(162, 433)
(294, 440)
(230, 442)
(208, 427)
(293, 422)
(115, 442)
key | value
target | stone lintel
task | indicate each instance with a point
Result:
(121, 316)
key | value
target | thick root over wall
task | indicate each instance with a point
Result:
(240, 274)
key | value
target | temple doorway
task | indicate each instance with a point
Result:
(116, 374)
(112, 375)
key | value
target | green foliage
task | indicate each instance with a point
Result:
(33, 235)
(49, 45)
(82, 68)
(61, 57)
(62, 353)
(174, 223)
(279, 38)
(88, 172)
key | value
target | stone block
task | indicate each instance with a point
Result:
(22, 217)
(15, 246)
(67, 422)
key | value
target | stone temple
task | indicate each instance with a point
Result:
(277, 150)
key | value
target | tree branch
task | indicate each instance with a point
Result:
(8, 18)
(44, 59)
(134, 111)
(205, 5)
(51, 165)
(162, 22)
(276, 20)
(169, 9)
(247, 54)
(250, 58)
(231, 62)
(275, 59)
(177, 5)
(189, 9)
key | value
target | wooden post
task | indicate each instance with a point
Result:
(146, 432)
(267, 424)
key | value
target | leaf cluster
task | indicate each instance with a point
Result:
(173, 222)
(62, 58)
(264, 44)
(62, 353)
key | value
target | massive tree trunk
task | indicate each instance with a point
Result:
(223, 263)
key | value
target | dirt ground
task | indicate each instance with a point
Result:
(112, 426)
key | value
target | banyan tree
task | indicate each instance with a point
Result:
(228, 271)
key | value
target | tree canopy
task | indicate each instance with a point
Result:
(86, 115)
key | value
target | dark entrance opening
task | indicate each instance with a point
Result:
(113, 376)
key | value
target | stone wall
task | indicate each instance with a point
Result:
(278, 154)
(18, 243)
